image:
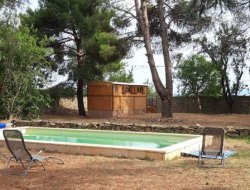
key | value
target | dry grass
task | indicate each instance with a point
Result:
(86, 172)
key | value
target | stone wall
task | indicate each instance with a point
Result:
(180, 105)
(229, 131)
(68, 105)
(210, 105)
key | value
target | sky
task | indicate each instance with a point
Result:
(139, 63)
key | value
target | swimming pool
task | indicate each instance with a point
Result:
(155, 146)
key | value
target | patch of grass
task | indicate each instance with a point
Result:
(241, 145)
(246, 139)
(242, 154)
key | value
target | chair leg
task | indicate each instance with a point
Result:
(31, 163)
(22, 164)
(26, 171)
(8, 162)
(223, 162)
(59, 161)
(199, 160)
(7, 165)
(41, 164)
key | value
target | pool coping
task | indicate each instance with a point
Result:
(166, 153)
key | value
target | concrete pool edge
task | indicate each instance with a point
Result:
(167, 153)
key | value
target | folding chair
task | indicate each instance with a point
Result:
(212, 146)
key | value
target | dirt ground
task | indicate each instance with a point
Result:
(94, 173)
(187, 119)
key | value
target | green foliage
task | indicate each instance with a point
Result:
(116, 72)
(62, 90)
(192, 16)
(198, 77)
(103, 48)
(229, 53)
(78, 24)
(81, 34)
(22, 60)
(182, 14)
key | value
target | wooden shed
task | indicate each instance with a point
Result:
(116, 99)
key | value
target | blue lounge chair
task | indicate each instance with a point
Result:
(212, 146)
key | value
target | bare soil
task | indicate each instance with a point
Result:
(186, 119)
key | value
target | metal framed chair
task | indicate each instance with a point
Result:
(20, 154)
(212, 146)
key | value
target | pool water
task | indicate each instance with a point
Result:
(128, 139)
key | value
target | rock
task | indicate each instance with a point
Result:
(194, 129)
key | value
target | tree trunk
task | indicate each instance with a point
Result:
(80, 62)
(226, 91)
(164, 93)
(198, 102)
(167, 108)
(230, 102)
(81, 109)
(167, 61)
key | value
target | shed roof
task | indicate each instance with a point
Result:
(125, 83)
(119, 83)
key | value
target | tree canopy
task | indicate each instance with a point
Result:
(82, 36)
(229, 53)
(22, 60)
(85, 40)
(198, 77)
(164, 26)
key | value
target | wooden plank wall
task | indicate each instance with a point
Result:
(100, 97)
(111, 97)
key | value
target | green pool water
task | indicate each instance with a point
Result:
(105, 137)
